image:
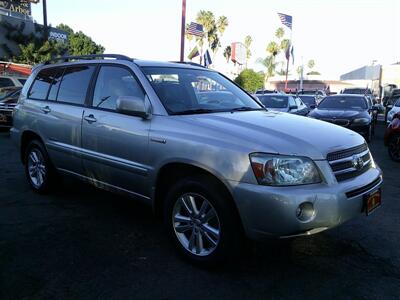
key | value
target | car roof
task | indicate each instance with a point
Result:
(141, 63)
(348, 95)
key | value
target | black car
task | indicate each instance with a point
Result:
(351, 111)
(284, 103)
(8, 100)
(309, 100)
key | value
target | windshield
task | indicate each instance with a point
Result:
(274, 101)
(190, 91)
(6, 93)
(343, 102)
(308, 100)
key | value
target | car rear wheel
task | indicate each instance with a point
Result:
(202, 222)
(394, 147)
(38, 168)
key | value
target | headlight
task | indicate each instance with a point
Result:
(279, 170)
(361, 121)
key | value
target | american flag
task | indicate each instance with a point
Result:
(286, 20)
(195, 29)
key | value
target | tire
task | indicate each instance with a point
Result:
(39, 170)
(394, 147)
(195, 238)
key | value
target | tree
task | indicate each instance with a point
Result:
(249, 80)
(213, 30)
(270, 66)
(273, 48)
(279, 33)
(311, 64)
(228, 53)
(247, 43)
(79, 43)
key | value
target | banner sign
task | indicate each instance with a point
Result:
(58, 35)
(18, 6)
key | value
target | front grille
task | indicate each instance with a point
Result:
(360, 191)
(350, 163)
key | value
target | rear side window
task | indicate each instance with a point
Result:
(41, 85)
(5, 82)
(75, 83)
(55, 85)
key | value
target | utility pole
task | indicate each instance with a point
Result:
(46, 29)
(183, 29)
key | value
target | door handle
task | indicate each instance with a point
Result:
(90, 119)
(46, 109)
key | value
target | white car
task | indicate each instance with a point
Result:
(393, 111)
(10, 81)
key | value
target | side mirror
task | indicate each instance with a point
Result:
(134, 106)
(313, 106)
(291, 107)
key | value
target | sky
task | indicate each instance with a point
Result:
(339, 35)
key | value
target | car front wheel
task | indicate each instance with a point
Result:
(202, 222)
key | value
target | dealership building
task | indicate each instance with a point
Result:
(16, 15)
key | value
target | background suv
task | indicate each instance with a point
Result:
(201, 151)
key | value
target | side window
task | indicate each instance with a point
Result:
(74, 84)
(6, 82)
(41, 84)
(291, 101)
(299, 103)
(113, 82)
(55, 85)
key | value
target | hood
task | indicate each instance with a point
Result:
(264, 131)
(278, 109)
(336, 113)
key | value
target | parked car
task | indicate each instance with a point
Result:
(390, 101)
(284, 103)
(392, 138)
(395, 109)
(318, 94)
(11, 81)
(309, 100)
(216, 172)
(350, 111)
(8, 100)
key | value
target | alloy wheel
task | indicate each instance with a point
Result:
(196, 224)
(36, 168)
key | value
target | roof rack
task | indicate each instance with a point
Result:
(87, 57)
(189, 63)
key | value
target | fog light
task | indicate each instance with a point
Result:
(305, 212)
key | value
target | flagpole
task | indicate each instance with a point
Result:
(183, 30)
(288, 57)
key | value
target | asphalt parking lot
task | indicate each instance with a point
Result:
(83, 243)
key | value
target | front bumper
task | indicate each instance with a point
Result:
(271, 211)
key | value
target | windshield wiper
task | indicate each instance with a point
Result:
(194, 111)
(245, 108)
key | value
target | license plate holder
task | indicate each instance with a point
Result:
(372, 201)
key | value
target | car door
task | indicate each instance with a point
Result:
(61, 110)
(115, 144)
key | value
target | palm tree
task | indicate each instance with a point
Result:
(311, 64)
(222, 24)
(273, 48)
(279, 33)
(227, 53)
(247, 43)
(270, 66)
(284, 44)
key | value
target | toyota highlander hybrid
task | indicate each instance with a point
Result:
(209, 158)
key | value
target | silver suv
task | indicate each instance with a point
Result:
(202, 152)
